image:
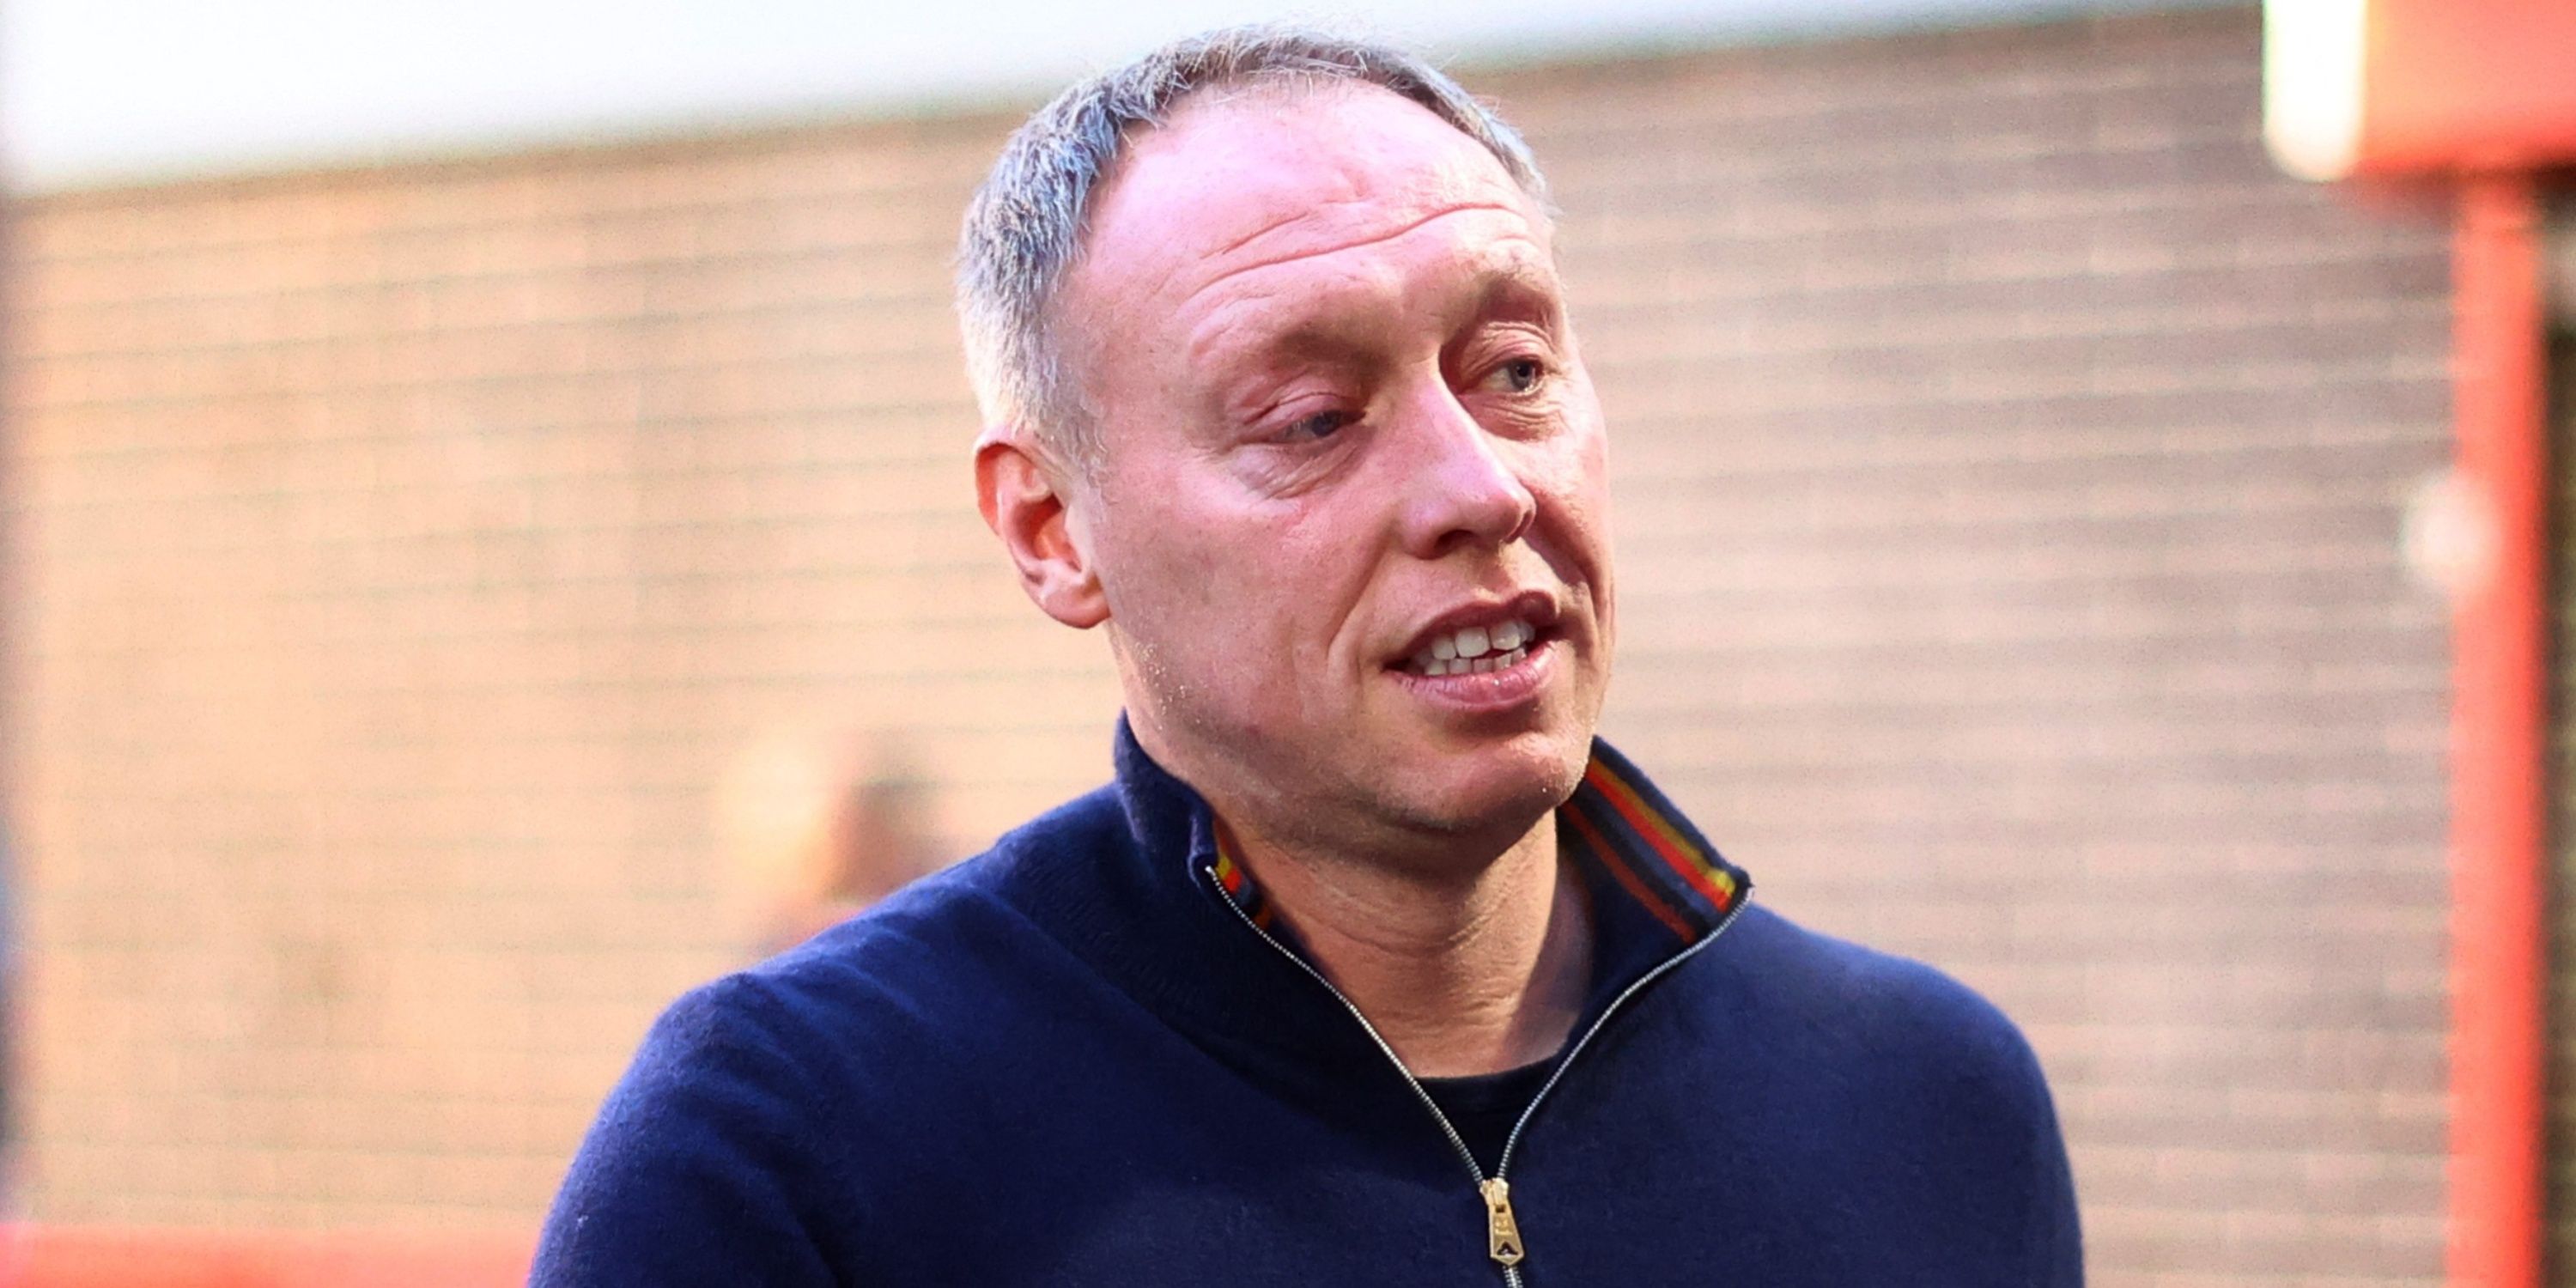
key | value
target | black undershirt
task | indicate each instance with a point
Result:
(1485, 1106)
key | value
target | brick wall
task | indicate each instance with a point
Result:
(2012, 465)
(437, 584)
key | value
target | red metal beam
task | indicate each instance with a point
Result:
(2500, 706)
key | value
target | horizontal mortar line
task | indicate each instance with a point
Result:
(697, 276)
(1763, 213)
(1838, 96)
(571, 219)
(1653, 466)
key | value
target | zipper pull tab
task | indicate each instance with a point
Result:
(1502, 1233)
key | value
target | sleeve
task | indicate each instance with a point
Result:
(707, 1164)
(2019, 1116)
(1975, 1082)
(2056, 1238)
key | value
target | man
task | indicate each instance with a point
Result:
(1373, 966)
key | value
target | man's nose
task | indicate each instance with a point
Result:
(1463, 487)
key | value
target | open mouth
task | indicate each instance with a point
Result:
(1475, 650)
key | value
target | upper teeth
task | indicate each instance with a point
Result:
(1476, 648)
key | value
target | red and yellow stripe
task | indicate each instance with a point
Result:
(1688, 861)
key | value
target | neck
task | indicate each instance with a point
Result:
(1463, 972)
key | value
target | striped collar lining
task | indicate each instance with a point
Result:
(1235, 883)
(1616, 817)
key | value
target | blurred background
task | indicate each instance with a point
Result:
(490, 545)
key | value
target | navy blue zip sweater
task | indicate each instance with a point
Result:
(1087, 1057)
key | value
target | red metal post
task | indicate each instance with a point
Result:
(2499, 796)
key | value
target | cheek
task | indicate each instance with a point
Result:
(1161, 578)
(1198, 576)
(1570, 480)
(1591, 481)
(1570, 477)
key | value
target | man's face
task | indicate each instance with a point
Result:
(1349, 515)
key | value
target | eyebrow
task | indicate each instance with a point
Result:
(1515, 287)
(1522, 282)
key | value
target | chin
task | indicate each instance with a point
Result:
(1507, 787)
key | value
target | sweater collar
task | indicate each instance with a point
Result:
(1657, 885)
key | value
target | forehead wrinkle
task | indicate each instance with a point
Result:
(1357, 243)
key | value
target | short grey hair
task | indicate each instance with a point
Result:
(1025, 227)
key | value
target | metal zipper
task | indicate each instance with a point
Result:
(1495, 1191)
(1504, 1163)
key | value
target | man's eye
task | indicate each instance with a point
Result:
(1518, 376)
(1321, 425)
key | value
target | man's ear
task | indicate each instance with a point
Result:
(1023, 496)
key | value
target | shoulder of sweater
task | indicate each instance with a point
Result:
(1902, 1017)
(904, 978)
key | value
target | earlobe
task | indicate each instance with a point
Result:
(1026, 505)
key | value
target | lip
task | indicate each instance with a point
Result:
(1489, 691)
(1536, 607)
